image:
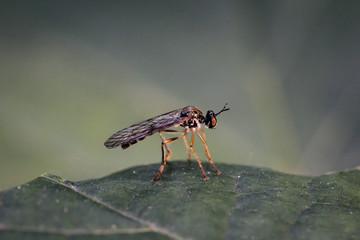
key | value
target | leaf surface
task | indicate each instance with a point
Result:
(241, 203)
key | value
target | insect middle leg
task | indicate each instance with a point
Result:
(196, 157)
(207, 153)
(168, 152)
(187, 148)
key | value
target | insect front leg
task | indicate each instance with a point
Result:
(207, 153)
(196, 157)
(168, 152)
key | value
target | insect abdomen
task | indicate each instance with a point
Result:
(132, 142)
(114, 142)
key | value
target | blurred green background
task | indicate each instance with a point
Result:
(74, 72)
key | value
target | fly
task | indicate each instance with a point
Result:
(190, 118)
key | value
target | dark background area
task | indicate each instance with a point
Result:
(74, 72)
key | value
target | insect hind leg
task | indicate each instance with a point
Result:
(184, 133)
(168, 152)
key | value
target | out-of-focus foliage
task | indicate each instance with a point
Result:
(73, 73)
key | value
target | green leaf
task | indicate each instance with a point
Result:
(241, 203)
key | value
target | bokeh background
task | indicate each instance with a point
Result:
(74, 72)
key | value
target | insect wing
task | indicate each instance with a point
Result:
(138, 131)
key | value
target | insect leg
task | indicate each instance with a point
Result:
(207, 153)
(171, 131)
(163, 161)
(168, 152)
(187, 148)
(184, 138)
(203, 133)
(196, 157)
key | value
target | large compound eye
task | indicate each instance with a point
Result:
(213, 121)
(210, 119)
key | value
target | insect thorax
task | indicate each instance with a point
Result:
(194, 117)
(192, 123)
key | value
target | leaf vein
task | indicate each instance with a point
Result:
(150, 225)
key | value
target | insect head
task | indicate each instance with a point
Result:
(210, 118)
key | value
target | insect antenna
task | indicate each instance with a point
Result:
(225, 108)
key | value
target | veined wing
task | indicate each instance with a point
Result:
(138, 131)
